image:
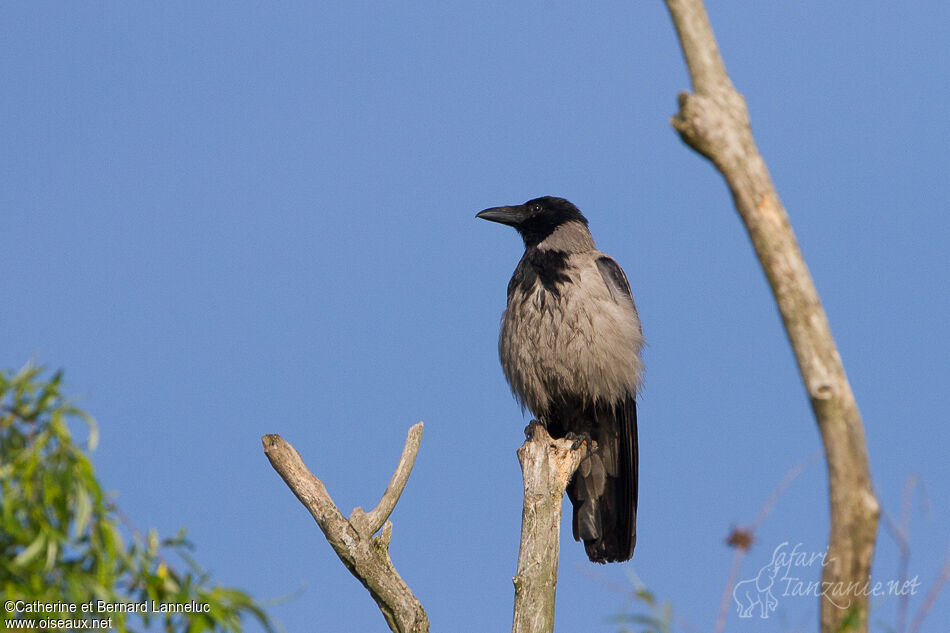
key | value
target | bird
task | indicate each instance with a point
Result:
(570, 348)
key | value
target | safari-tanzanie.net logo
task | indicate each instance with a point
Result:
(795, 571)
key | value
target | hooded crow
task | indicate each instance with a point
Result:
(570, 349)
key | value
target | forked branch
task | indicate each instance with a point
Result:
(353, 540)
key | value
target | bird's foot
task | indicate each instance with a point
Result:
(579, 439)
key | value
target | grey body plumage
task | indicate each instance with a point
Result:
(570, 349)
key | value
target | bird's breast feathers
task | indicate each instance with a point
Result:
(568, 330)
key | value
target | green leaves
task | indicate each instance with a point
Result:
(657, 619)
(61, 541)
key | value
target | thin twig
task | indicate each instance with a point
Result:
(378, 515)
(928, 602)
(793, 473)
(901, 535)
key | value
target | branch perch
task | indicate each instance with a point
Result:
(353, 540)
(714, 121)
(547, 466)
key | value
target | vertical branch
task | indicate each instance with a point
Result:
(547, 466)
(714, 121)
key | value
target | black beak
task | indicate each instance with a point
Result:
(511, 216)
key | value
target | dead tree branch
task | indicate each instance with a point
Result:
(353, 540)
(714, 121)
(547, 466)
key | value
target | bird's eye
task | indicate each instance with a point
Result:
(536, 208)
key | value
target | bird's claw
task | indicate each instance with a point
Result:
(578, 439)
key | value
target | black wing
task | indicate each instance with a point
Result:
(614, 278)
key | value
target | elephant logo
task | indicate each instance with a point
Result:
(757, 591)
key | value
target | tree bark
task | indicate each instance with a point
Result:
(714, 121)
(547, 466)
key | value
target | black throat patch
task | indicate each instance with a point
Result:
(545, 267)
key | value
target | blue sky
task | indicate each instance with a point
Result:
(230, 219)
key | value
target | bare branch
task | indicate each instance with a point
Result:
(706, 68)
(378, 515)
(715, 122)
(901, 535)
(931, 597)
(547, 466)
(365, 555)
(743, 539)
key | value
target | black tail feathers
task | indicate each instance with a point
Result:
(604, 488)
